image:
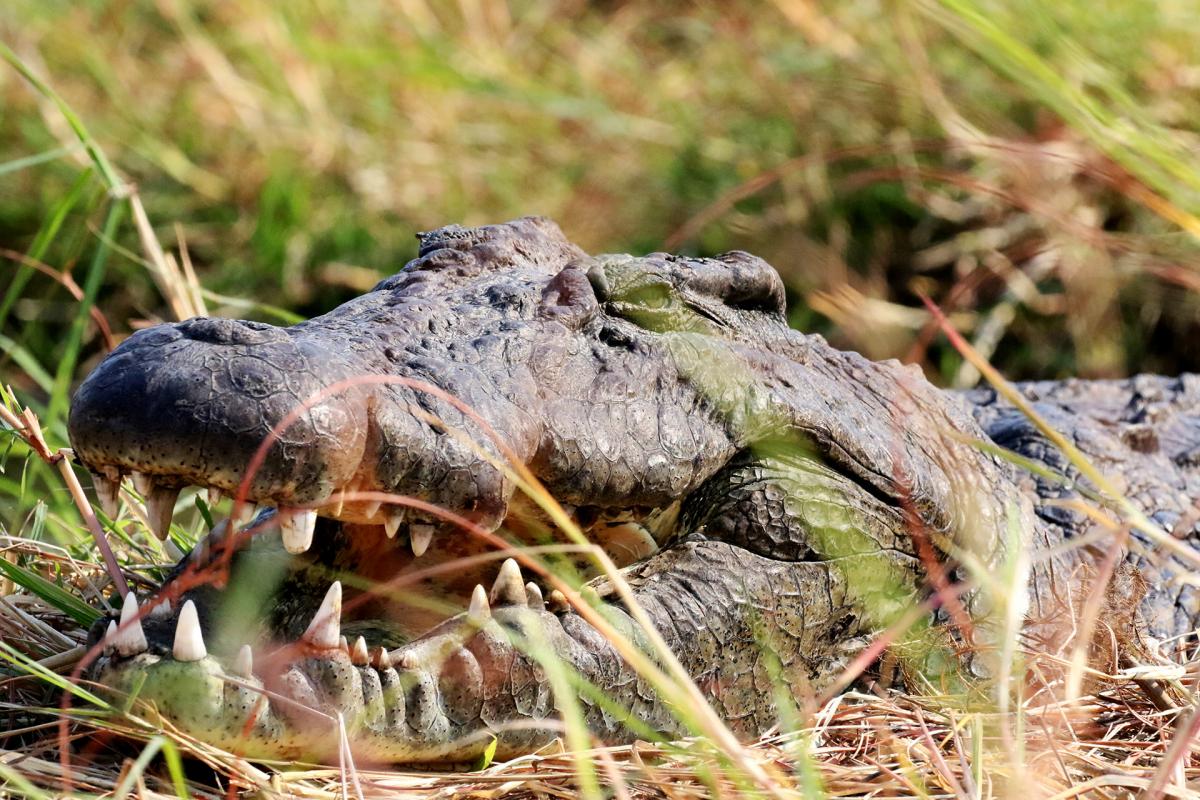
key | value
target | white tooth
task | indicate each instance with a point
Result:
(343, 644)
(107, 492)
(160, 507)
(243, 664)
(160, 611)
(391, 522)
(372, 508)
(189, 641)
(325, 628)
(359, 654)
(479, 611)
(297, 529)
(243, 514)
(131, 639)
(533, 597)
(419, 537)
(557, 601)
(110, 636)
(215, 496)
(143, 483)
(382, 659)
(509, 588)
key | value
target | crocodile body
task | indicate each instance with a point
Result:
(774, 503)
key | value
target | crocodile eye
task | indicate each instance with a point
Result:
(656, 295)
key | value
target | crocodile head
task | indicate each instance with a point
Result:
(504, 319)
(643, 393)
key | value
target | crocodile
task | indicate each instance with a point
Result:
(513, 480)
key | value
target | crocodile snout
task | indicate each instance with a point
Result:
(191, 403)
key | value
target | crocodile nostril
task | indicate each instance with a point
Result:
(217, 330)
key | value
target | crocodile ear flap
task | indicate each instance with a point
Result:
(569, 298)
(738, 280)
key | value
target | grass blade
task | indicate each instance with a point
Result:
(55, 595)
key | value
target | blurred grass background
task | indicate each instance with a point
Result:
(1029, 166)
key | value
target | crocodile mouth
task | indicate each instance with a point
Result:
(276, 418)
(627, 535)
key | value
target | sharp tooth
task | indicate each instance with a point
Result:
(243, 514)
(381, 659)
(391, 522)
(131, 639)
(215, 496)
(189, 641)
(359, 655)
(297, 529)
(533, 597)
(509, 588)
(406, 660)
(479, 611)
(343, 644)
(107, 492)
(371, 508)
(143, 483)
(110, 635)
(160, 507)
(419, 537)
(325, 628)
(243, 664)
(557, 601)
(160, 611)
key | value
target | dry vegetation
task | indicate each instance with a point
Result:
(1029, 166)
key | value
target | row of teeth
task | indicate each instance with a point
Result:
(296, 526)
(127, 638)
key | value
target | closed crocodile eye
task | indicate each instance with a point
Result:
(653, 296)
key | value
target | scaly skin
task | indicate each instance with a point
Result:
(777, 501)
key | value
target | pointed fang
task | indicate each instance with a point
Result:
(242, 514)
(160, 611)
(243, 664)
(509, 588)
(479, 611)
(160, 507)
(391, 522)
(419, 537)
(143, 483)
(325, 629)
(110, 636)
(359, 654)
(371, 508)
(381, 660)
(107, 492)
(131, 639)
(189, 641)
(533, 597)
(297, 528)
(557, 601)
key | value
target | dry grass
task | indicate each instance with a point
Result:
(1114, 742)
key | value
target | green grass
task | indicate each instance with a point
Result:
(1028, 166)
